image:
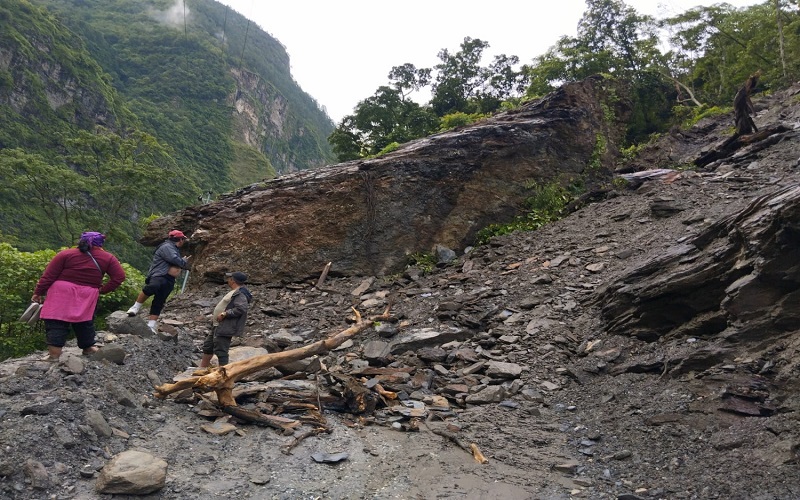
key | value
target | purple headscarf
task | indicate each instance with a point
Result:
(94, 239)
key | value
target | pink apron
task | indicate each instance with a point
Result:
(69, 302)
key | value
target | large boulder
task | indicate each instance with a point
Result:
(368, 216)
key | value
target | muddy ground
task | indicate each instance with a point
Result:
(568, 425)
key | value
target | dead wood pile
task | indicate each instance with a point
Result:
(268, 403)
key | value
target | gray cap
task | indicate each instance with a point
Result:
(238, 277)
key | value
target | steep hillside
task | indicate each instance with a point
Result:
(515, 346)
(175, 62)
(189, 98)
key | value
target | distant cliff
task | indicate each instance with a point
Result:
(210, 86)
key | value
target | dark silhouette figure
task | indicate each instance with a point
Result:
(743, 106)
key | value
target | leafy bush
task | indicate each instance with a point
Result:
(545, 206)
(458, 119)
(426, 262)
(19, 273)
(687, 116)
(392, 146)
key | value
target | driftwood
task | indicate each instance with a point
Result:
(324, 274)
(470, 448)
(288, 447)
(285, 425)
(355, 398)
(736, 142)
(221, 379)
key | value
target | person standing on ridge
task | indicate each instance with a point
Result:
(227, 320)
(72, 282)
(160, 279)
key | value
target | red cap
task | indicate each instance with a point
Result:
(177, 234)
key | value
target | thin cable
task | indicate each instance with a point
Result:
(224, 26)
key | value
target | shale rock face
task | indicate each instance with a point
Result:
(742, 270)
(368, 216)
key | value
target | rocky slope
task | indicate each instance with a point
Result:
(516, 346)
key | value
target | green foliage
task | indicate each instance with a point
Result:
(378, 121)
(249, 165)
(425, 262)
(458, 119)
(462, 92)
(545, 205)
(19, 273)
(388, 149)
(162, 92)
(620, 183)
(687, 116)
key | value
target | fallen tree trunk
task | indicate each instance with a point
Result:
(221, 379)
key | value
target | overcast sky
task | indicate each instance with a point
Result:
(342, 51)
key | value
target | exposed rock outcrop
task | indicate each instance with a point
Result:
(367, 217)
(743, 269)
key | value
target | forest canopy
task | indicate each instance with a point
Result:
(678, 67)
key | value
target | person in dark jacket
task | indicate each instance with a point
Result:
(228, 320)
(159, 282)
(72, 283)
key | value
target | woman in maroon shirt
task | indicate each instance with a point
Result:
(72, 282)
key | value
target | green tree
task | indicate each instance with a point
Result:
(715, 49)
(57, 192)
(407, 78)
(459, 77)
(122, 175)
(612, 38)
(382, 119)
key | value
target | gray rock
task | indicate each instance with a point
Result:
(112, 353)
(532, 395)
(64, 436)
(363, 287)
(120, 323)
(122, 395)
(376, 350)
(499, 369)
(491, 394)
(425, 337)
(70, 363)
(132, 473)
(98, 423)
(386, 330)
(37, 474)
(444, 255)
(43, 407)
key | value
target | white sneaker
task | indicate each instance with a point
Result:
(132, 312)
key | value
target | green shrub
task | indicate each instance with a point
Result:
(687, 116)
(458, 119)
(392, 146)
(545, 206)
(426, 262)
